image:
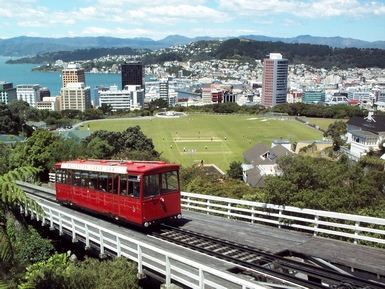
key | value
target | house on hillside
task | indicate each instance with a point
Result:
(10, 139)
(37, 124)
(319, 145)
(76, 135)
(365, 134)
(260, 160)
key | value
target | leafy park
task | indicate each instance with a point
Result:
(320, 181)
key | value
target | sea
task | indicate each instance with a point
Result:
(23, 74)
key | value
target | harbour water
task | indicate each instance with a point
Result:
(23, 74)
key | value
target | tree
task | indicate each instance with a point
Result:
(19, 109)
(91, 113)
(321, 184)
(5, 151)
(71, 113)
(8, 123)
(235, 171)
(41, 150)
(61, 273)
(11, 195)
(105, 108)
(132, 140)
(336, 129)
(99, 149)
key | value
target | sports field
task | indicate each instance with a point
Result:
(215, 139)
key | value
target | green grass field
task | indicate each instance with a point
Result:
(214, 139)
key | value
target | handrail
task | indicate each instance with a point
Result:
(191, 274)
(349, 227)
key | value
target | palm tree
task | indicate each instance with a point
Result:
(11, 196)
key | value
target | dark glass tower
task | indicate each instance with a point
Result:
(132, 74)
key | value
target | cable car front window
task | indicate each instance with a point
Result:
(170, 182)
(151, 186)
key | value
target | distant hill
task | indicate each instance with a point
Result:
(29, 46)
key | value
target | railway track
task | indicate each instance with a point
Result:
(254, 263)
(262, 266)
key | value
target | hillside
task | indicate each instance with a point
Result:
(29, 46)
(242, 50)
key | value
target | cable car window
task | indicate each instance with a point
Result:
(93, 181)
(84, 179)
(103, 182)
(77, 178)
(123, 186)
(135, 189)
(151, 186)
(170, 182)
(68, 174)
(113, 183)
(59, 176)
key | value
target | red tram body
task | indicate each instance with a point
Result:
(138, 192)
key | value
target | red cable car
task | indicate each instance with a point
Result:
(138, 192)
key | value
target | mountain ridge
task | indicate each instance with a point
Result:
(28, 46)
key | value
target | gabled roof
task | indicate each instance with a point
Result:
(11, 139)
(253, 155)
(376, 124)
(254, 178)
(255, 151)
(78, 135)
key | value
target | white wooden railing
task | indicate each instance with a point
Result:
(352, 228)
(175, 268)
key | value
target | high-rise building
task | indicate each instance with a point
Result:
(29, 93)
(313, 95)
(274, 80)
(48, 103)
(75, 96)
(132, 74)
(44, 92)
(163, 89)
(130, 98)
(73, 74)
(7, 92)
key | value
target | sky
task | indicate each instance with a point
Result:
(157, 19)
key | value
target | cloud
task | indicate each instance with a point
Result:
(306, 9)
(159, 18)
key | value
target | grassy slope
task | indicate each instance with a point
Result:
(194, 132)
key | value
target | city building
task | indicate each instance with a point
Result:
(73, 74)
(7, 92)
(117, 99)
(75, 96)
(206, 95)
(172, 98)
(217, 95)
(137, 96)
(163, 89)
(274, 80)
(360, 94)
(294, 95)
(365, 134)
(44, 92)
(132, 74)
(97, 91)
(313, 95)
(48, 103)
(30, 93)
